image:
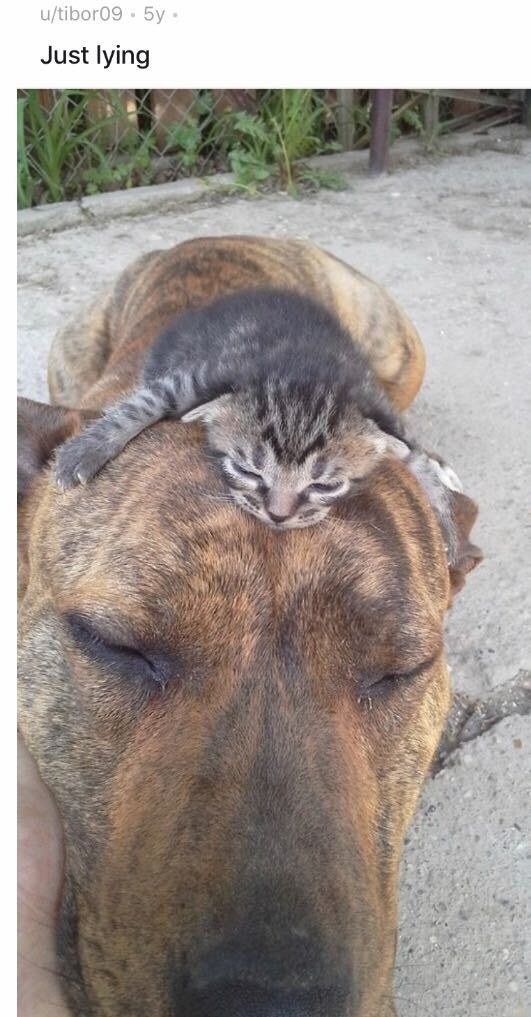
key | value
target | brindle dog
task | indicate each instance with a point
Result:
(236, 723)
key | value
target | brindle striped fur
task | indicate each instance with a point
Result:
(233, 839)
(90, 357)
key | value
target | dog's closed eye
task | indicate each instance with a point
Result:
(128, 661)
(383, 685)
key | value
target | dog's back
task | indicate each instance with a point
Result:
(115, 332)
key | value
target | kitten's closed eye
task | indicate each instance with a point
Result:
(237, 471)
(245, 472)
(326, 488)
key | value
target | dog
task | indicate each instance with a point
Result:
(236, 723)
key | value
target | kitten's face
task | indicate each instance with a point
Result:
(288, 472)
(283, 495)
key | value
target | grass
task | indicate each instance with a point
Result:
(289, 126)
(52, 145)
(25, 182)
(63, 153)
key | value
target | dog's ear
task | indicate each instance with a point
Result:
(41, 428)
(457, 515)
(466, 555)
(455, 511)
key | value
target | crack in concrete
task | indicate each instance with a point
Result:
(470, 718)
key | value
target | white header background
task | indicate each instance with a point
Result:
(278, 43)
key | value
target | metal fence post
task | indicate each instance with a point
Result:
(382, 104)
(526, 108)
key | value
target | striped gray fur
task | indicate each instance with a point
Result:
(292, 409)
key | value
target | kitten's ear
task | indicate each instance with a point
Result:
(207, 412)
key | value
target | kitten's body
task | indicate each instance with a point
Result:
(291, 404)
(285, 350)
(292, 407)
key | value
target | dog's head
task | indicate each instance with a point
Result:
(236, 724)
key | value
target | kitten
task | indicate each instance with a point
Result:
(292, 408)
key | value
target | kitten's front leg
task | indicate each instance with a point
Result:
(82, 457)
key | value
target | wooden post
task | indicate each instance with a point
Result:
(117, 112)
(345, 118)
(431, 117)
(170, 106)
(382, 104)
(47, 98)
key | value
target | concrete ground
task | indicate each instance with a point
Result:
(451, 239)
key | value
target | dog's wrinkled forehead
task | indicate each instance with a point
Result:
(159, 519)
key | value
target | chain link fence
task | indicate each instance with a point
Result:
(77, 142)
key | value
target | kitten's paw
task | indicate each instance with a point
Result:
(78, 461)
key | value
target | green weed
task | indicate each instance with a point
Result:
(53, 144)
(270, 144)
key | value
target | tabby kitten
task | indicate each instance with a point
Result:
(292, 410)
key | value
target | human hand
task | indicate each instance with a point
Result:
(40, 876)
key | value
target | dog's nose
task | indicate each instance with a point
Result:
(244, 1000)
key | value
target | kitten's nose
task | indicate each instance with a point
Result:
(280, 505)
(278, 519)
